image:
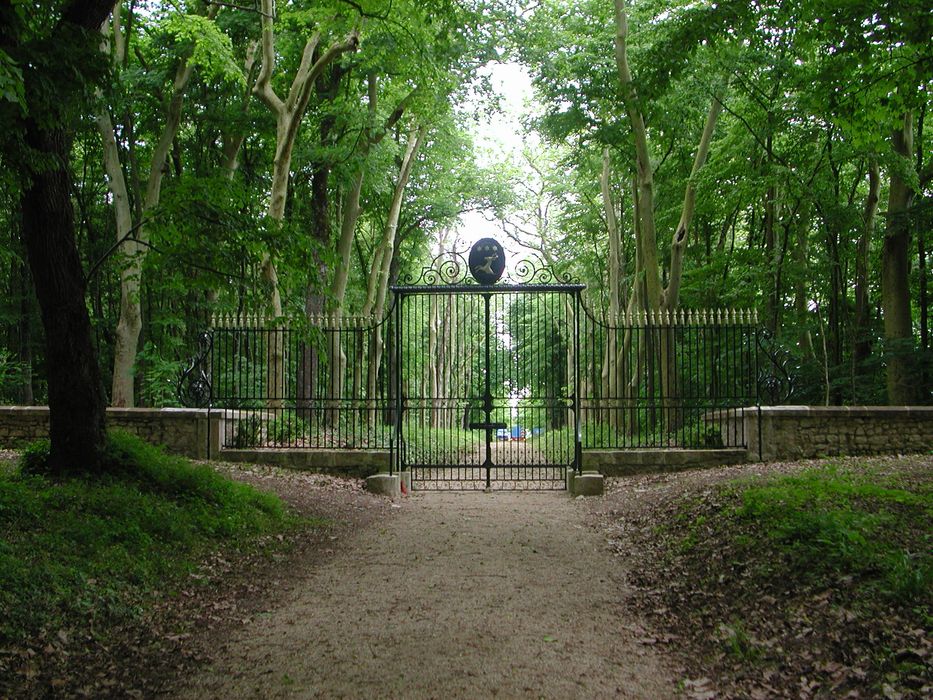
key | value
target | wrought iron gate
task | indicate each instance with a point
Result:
(486, 380)
(474, 386)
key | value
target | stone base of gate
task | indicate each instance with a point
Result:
(385, 485)
(356, 463)
(585, 484)
(626, 462)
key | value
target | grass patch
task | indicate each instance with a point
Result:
(831, 523)
(90, 551)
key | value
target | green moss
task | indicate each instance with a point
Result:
(833, 522)
(89, 549)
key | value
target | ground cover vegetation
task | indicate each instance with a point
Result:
(293, 160)
(812, 580)
(85, 557)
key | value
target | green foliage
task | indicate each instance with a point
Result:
(12, 376)
(11, 81)
(832, 523)
(160, 378)
(92, 551)
(287, 429)
(248, 432)
(441, 445)
(208, 47)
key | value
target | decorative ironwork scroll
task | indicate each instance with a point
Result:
(775, 380)
(194, 388)
(452, 269)
(533, 270)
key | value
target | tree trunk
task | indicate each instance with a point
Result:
(862, 346)
(289, 114)
(681, 233)
(645, 173)
(385, 254)
(76, 394)
(895, 263)
(804, 337)
(25, 396)
(129, 324)
(233, 140)
(608, 377)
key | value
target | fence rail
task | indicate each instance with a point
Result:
(668, 380)
(644, 380)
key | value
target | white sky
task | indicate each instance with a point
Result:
(498, 139)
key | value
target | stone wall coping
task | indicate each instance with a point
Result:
(919, 411)
(24, 409)
(179, 412)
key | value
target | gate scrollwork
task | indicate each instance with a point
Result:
(533, 270)
(445, 269)
(452, 269)
(775, 380)
(194, 389)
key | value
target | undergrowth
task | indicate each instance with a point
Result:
(825, 575)
(831, 523)
(90, 550)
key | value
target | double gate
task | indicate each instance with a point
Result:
(486, 385)
(478, 386)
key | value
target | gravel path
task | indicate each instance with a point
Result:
(457, 595)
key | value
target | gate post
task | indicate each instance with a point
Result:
(578, 441)
(589, 483)
(395, 460)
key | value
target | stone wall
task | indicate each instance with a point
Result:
(626, 462)
(184, 431)
(180, 430)
(803, 432)
(358, 463)
(787, 433)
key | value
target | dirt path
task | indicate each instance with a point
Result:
(458, 595)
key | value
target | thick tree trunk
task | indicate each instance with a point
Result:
(895, 264)
(314, 296)
(76, 394)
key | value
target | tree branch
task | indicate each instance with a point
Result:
(263, 88)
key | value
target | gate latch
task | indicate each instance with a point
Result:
(488, 426)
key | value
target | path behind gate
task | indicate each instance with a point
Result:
(461, 595)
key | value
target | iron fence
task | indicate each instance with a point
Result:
(324, 385)
(668, 380)
(557, 378)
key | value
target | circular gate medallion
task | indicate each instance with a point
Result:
(487, 261)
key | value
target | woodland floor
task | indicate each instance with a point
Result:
(472, 595)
